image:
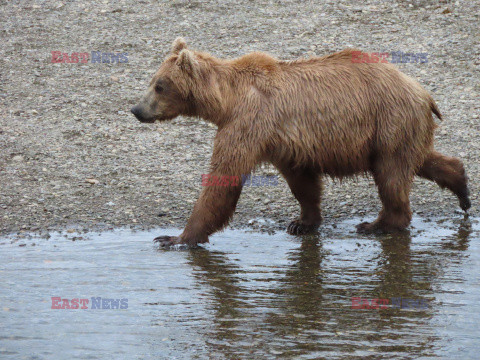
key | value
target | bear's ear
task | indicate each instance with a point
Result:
(187, 62)
(178, 45)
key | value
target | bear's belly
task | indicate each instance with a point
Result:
(335, 162)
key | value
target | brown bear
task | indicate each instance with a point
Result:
(308, 117)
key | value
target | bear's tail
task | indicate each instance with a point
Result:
(434, 109)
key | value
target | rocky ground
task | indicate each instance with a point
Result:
(61, 124)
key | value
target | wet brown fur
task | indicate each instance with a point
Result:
(310, 117)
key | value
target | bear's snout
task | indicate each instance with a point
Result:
(139, 114)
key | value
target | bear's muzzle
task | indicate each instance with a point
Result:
(140, 115)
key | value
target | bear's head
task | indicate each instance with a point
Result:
(180, 84)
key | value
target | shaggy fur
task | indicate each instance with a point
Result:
(313, 117)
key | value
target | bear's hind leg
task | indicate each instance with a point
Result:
(394, 180)
(447, 172)
(306, 186)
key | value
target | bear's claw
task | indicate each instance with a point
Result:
(166, 241)
(465, 203)
(367, 228)
(379, 227)
(297, 227)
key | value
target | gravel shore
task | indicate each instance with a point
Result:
(73, 157)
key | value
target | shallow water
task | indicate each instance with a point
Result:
(245, 295)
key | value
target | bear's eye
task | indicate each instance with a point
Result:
(158, 88)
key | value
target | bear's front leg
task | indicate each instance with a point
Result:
(211, 213)
(231, 159)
